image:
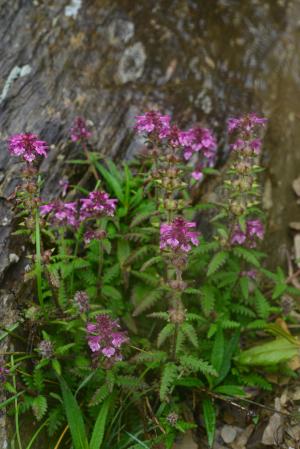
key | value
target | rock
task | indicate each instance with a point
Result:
(297, 248)
(295, 225)
(187, 442)
(13, 258)
(273, 433)
(131, 65)
(296, 186)
(120, 31)
(228, 434)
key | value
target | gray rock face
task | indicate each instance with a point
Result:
(108, 60)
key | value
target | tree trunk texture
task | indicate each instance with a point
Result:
(108, 60)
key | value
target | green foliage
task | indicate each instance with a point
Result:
(201, 302)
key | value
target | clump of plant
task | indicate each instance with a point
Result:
(138, 318)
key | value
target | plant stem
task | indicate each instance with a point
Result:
(16, 406)
(38, 262)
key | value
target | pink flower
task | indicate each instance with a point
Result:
(178, 236)
(105, 338)
(154, 123)
(79, 130)
(198, 139)
(197, 175)
(61, 213)
(254, 230)
(246, 123)
(97, 204)
(28, 146)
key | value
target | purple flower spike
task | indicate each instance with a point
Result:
(60, 213)
(79, 130)
(178, 235)
(105, 338)
(198, 139)
(97, 204)
(28, 146)
(154, 123)
(254, 231)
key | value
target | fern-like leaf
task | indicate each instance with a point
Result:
(168, 377)
(216, 263)
(195, 364)
(165, 333)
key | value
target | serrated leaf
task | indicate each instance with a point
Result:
(169, 375)
(218, 349)
(165, 333)
(190, 333)
(148, 301)
(99, 427)
(217, 261)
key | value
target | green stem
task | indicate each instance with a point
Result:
(16, 406)
(38, 260)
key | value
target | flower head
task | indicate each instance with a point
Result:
(61, 213)
(254, 231)
(81, 300)
(28, 146)
(79, 130)
(45, 348)
(105, 337)
(153, 123)
(97, 204)
(246, 123)
(198, 139)
(178, 235)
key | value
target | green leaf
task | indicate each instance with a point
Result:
(169, 375)
(244, 283)
(207, 299)
(74, 417)
(209, 414)
(100, 394)
(99, 428)
(198, 365)
(274, 352)
(218, 349)
(123, 250)
(112, 182)
(230, 390)
(247, 255)
(190, 333)
(148, 301)
(111, 292)
(217, 261)
(279, 290)
(261, 304)
(39, 407)
(165, 333)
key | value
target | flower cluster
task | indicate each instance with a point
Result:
(197, 139)
(153, 123)
(61, 213)
(200, 140)
(97, 204)
(45, 348)
(254, 231)
(79, 130)
(28, 146)
(105, 338)
(81, 301)
(246, 127)
(178, 236)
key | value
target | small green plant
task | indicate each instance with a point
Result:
(136, 314)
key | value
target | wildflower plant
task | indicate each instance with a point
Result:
(136, 313)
